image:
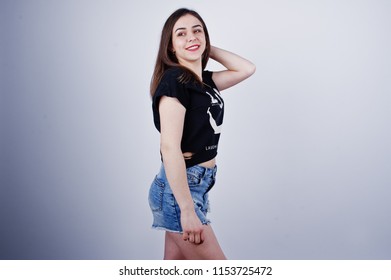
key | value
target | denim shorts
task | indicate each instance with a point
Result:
(165, 209)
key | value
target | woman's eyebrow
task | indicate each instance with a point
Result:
(183, 28)
(180, 28)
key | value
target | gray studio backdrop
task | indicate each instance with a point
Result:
(304, 161)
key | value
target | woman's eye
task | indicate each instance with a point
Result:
(181, 34)
(197, 31)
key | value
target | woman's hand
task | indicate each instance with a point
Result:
(192, 227)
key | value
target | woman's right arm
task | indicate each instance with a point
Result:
(172, 116)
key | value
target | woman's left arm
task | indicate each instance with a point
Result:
(238, 68)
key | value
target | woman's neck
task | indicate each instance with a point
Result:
(195, 66)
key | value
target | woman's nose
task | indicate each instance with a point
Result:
(191, 37)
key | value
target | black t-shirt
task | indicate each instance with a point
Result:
(204, 113)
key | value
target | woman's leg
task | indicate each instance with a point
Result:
(171, 249)
(208, 250)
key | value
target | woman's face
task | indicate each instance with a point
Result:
(188, 39)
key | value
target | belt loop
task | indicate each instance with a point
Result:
(214, 171)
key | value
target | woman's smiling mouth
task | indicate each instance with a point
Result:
(193, 48)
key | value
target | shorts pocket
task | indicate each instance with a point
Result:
(155, 197)
(193, 180)
(193, 177)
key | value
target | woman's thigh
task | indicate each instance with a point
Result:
(171, 249)
(208, 250)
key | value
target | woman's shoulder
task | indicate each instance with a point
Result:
(170, 79)
(170, 84)
(172, 74)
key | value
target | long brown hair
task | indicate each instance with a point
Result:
(167, 59)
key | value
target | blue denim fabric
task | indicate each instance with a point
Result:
(165, 209)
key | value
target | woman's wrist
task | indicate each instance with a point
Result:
(188, 208)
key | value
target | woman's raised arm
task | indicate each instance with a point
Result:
(238, 68)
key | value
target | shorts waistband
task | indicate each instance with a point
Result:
(198, 170)
(203, 171)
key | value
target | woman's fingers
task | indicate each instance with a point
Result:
(192, 237)
(197, 238)
(192, 227)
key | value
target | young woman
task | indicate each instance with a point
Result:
(188, 113)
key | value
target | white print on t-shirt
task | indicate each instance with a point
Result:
(215, 101)
(216, 128)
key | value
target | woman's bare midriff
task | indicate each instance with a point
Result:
(209, 164)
